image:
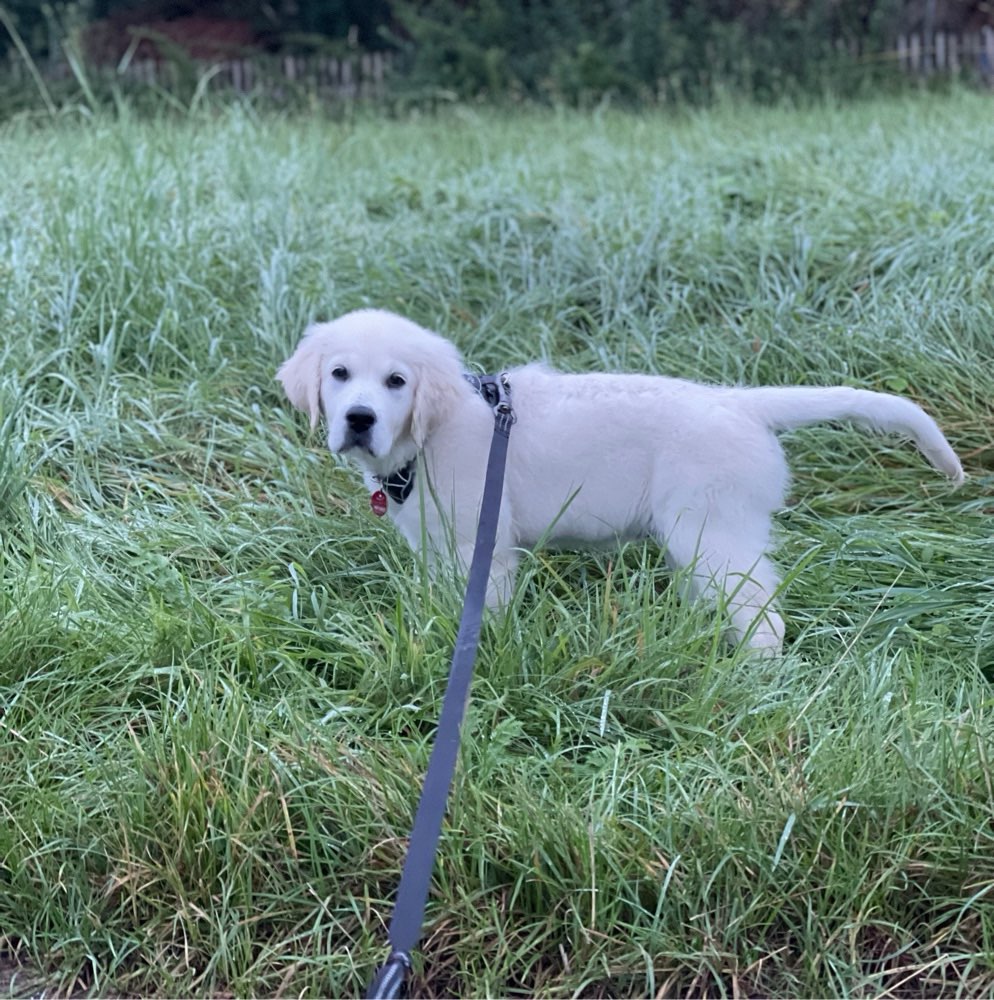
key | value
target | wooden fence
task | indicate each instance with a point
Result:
(948, 54)
(362, 75)
(945, 53)
(366, 75)
(359, 76)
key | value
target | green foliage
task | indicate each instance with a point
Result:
(633, 51)
(645, 49)
(219, 675)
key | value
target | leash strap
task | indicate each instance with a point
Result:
(415, 879)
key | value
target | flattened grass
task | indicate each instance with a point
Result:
(221, 676)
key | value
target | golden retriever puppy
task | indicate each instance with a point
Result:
(593, 458)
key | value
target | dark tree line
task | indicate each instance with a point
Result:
(276, 22)
(565, 49)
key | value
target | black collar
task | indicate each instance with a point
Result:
(398, 485)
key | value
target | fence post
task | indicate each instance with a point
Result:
(915, 52)
(929, 41)
(363, 73)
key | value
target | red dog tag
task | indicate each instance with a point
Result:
(378, 503)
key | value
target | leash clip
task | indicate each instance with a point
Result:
(504, 413)
(389, 979)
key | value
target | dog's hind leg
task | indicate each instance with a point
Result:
(728, 565)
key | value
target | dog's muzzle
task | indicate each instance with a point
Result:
(359, 423)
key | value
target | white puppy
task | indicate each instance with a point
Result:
(592, 458)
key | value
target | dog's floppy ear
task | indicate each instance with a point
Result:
(438, 385)
(301, 377)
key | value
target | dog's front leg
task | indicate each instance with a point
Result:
(448, 549)
(500, 587)
(503, 565)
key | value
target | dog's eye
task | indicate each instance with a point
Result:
(340, 372)
(396, 381)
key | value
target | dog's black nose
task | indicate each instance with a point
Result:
(360, 418)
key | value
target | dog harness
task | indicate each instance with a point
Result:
(494, 390)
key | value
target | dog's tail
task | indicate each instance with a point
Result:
(795, 406)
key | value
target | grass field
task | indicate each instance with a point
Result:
(220, 674)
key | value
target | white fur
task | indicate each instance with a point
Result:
(592, 458)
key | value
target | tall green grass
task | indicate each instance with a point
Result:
(220, 675)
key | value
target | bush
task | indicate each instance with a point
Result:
(639, 49)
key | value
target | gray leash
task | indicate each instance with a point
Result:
(415, 879)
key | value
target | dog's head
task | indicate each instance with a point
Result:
(382, 382)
